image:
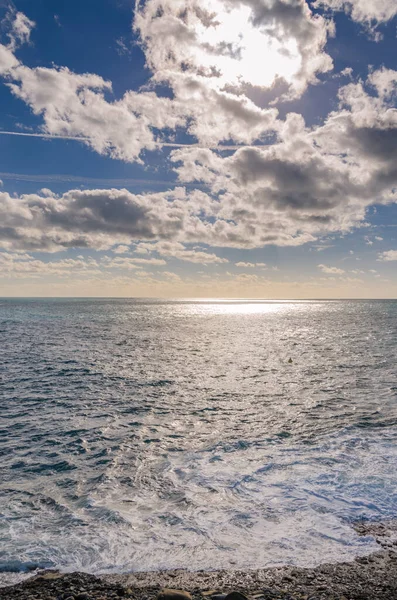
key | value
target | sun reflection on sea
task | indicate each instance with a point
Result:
(229, 307)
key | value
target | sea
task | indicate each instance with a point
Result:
(141, 435)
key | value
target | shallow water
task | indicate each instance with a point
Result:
(140, 435)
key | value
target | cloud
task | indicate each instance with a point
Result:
(102, 218)
(121, 249)
(205, 52)
(248, 265)
(23, 265)
(331, 270)
(216, 43)
(363, 11)
(7, 60)
(19, 28)
(180, 252)
(311, 181)
(307, 183)
(94, 218)
(131, 263)
(75, 105)
(388, 256)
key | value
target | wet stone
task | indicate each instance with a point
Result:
(169, 594)
(236, 596)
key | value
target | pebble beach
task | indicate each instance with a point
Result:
(373, 577)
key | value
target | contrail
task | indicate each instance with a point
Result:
(55, 178)
(45, 135)
(87, 139)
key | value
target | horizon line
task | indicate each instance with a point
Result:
(199, 299)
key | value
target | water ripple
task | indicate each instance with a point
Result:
(140, 435)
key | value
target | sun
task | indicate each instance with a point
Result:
(234, 51)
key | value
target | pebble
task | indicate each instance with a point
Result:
(168, 594)
(236, 596)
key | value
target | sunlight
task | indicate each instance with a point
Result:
(227, 307)
(241, 53)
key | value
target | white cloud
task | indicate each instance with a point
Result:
(249, 265)
(19, 30)
(364, 11)
(75, 105)
(121, 249)
(7, 60)
(22, 265)
(331, 270)
(312, 181)
(388, 256)
(103, 218)
(218, 42)
(25, 266)
(180, 252)
(206, 52)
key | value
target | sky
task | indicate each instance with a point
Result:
(198, 148)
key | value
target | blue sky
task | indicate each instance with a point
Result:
(301, 203)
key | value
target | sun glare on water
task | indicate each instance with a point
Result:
(240, 52)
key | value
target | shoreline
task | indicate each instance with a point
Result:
(372, 577)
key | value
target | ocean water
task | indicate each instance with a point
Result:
(139, 435)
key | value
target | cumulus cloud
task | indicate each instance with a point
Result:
(309, 183)
(218, 41)
(363, 11)
(94, 218)
(102, 218)
(76, 105)
(206, 52)
(7, 60)
(331, 270)
(389, 255)
(312, 181)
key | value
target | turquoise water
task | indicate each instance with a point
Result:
(142, 435)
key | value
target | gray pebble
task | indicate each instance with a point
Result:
(169, 594)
